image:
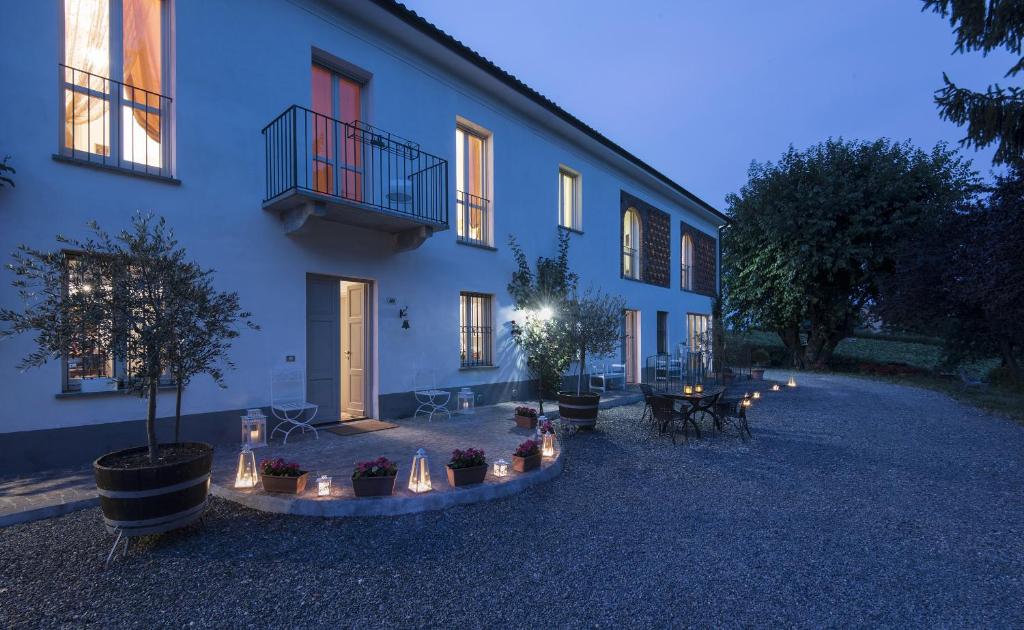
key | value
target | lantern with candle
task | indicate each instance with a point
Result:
(501, 468)
(698, 388)
(756, 395)
(323, 486)
(775, 387)
(245, 474)
(687, 390)
(254, 429)
(419, 476)
(467, 401)
(791, 382)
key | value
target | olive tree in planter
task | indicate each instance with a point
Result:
(127, 294)
(592, 326)
(541, 297)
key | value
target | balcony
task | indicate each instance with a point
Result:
(354, 174)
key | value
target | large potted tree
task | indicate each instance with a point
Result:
(540, 298)
(591, 326)
(126, 296)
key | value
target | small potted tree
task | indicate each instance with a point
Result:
(526, 417)
(760, 360)
(526, 456)
(466, 467)
(284, 477)
(122, 296)
(375, 478)
(592, 327)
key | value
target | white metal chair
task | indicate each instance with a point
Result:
(602, 378)
(288, 402)
(431, 399)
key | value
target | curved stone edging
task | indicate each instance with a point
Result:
(389, 506)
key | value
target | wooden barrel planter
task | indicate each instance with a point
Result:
(578, 409)
(153, 498)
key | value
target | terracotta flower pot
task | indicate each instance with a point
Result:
(374, 486)
(526, 422)
(757, 374)
(285, 485)
(525, 464)
(466, 476)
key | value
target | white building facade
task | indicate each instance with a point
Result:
(352, 172)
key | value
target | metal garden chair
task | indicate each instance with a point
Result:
(288, 402)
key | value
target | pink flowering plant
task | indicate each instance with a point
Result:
(380, 467)
(526, 412)
(280, 468)
(528, 448)
(469, 458)
(546, 427)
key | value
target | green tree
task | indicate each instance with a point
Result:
(591, 326)
(541, 297)
(997, 114)
(814, 232)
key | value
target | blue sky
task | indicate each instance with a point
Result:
(700, 88)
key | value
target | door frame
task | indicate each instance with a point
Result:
(370, 391)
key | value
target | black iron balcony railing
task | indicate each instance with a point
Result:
(354, 162)
(114, 124)
(473, 223)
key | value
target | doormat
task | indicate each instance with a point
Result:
(356, 427)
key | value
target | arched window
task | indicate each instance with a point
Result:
(686, 263)
(631, 244)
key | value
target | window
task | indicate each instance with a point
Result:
(570, 212)
(697, 329)
(114, 81)
(471, 181)
(87, 356)
(631, 239)
(336, 98)
(662, 332)
(475, 329)
(686, 263)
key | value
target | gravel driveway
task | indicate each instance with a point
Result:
(857, 503)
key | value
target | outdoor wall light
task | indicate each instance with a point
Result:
(419, 476)
(501, 468)
(245, 476)
(323, 486)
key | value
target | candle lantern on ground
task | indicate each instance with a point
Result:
(323, 486)
(791, 382)
(501, 468)
(245, 475)
(419, 476)
(467, 401)
(254, 429)
(548, 445)
(775, 387)
(756, 395)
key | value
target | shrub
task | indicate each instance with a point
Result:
(469, 458)
(280, 468)
(380, 467)
(527, 449)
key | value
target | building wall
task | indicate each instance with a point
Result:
(234, 71)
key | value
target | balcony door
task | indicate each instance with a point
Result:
(337, 145)
(631, 343)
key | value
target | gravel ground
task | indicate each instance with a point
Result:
(857, 503)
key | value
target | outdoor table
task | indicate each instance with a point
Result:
(703, 402)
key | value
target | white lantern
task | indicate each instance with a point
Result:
(775, 387)
(548, 447)
(687, 390)
(698, 388)
(791, 382)
(757, 395)
(323, 486)
(419, 477)
(245, 476)
(501, 468)
(746, 402)
(467, 401)
(254, 429)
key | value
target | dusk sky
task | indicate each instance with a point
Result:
(699, 89)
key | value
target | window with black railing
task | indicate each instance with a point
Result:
(114, 124)
(475, 330)
(355, 162)
(473, 218)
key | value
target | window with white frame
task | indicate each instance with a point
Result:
(631, 244)
(697, 332)
(472, 174)
(88, 361)
(686, 263)
(570, 211)
(114, 82)
(475, 330)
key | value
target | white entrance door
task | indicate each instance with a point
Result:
(632, 344)
(355, 354)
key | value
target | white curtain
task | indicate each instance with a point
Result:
(142, 56)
